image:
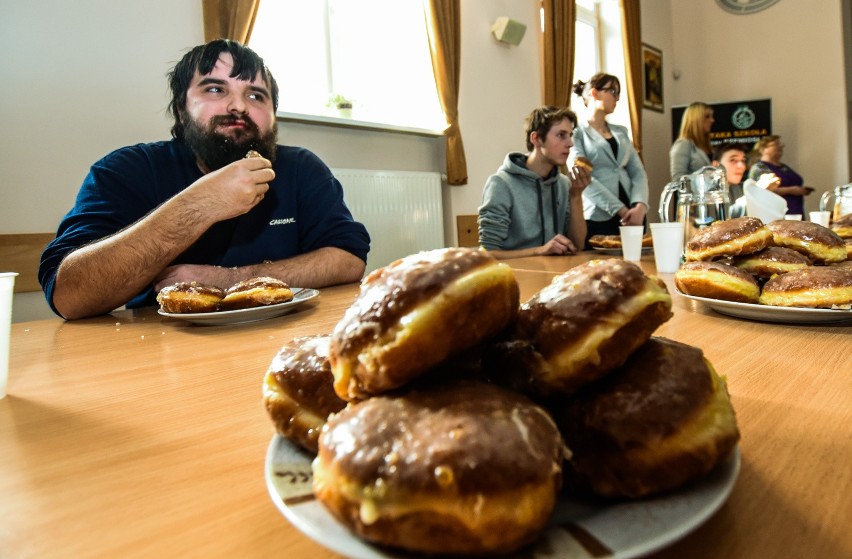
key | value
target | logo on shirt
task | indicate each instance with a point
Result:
(284, 221)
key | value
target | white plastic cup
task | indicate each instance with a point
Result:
(823, 217)
(631, 242)
(793, 217)
(7, 286)
(668, 246)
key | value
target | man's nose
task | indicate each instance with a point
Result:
(236, 104)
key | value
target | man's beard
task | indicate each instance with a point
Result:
(216, 150)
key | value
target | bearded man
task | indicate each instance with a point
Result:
(219, 203)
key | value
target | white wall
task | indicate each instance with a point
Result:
(791, 53)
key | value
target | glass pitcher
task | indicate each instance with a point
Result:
(842, 201)
(702, 198)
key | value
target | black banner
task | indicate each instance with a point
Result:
(742, 122)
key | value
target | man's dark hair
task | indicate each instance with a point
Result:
(722, 149)
(247, 65)
(542, 119)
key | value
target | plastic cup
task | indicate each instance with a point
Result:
(668, 246)
(7, 286)
(631, 242)
(793, 217)
(823, 217)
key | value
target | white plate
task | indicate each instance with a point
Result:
(629, 529)
(617, 251)
(301, 295)
(768, 313)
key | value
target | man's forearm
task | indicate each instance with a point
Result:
(106, 274)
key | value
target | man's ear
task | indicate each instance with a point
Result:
(534, 139)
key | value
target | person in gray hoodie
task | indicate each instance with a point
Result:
(529, 207)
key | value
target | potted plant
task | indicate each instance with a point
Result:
(342, 104)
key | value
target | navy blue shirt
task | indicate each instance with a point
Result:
(302, 211)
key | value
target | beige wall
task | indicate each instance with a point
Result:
(82, 78)
(791, 53)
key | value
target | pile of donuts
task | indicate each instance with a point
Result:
(782, 263)
(195, 297)
(445, 417)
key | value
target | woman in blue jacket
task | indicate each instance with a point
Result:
(618, 194)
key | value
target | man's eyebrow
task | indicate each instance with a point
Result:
(218, 81)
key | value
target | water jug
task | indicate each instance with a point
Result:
(842, 201)
(702, 198)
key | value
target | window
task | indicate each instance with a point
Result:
(325, 51)
(598, 47)
(586, 43)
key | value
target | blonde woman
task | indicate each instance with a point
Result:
(692, 151)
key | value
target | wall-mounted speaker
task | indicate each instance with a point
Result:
(508, 30)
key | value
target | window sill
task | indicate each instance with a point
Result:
(355, 124)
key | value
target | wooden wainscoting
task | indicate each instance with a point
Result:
(21, 252)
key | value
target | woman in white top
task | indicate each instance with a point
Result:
(618, 193)
(692, 151)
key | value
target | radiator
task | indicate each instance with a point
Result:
(402, 210)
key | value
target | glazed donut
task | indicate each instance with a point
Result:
(584, 163)
(614, 241)
(820, 244)
(298, 390)
(717, 280)
(661, 420)
(741, 235)
(190, 297)
(456, 468)
(416, 313)
(813, 287)
(848, 243)
(580, 327)
(843, 226)
(256, 292)
(771, 261)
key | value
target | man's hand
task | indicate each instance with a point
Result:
(580, 178)
(559, 245)
(230, 191)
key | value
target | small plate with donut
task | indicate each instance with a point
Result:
(252, 314)
(577, 529)
(617, 251)
(768, 313)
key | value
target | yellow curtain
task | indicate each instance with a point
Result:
(229, 19)
(443, 26)
(631, 36)
(558, 51)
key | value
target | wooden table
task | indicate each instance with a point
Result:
(133, 435)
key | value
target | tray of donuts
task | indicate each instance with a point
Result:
(442, 416)
(246, 301)
(611, 244)
(782, 271)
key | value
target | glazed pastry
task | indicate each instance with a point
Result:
(814, 287)
(418, 312)
(614, 241)
(190, 297)
(580, 327)
(843, 226)
(717, 280)
(771, 261)
(256, 292)
(298, 390)
(741, 235)
(464, 468)
(661, 420)
(820, 244)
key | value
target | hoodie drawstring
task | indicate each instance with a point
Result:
(541, 212)
(553, 210)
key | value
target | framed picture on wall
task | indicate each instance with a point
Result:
(652, 74)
